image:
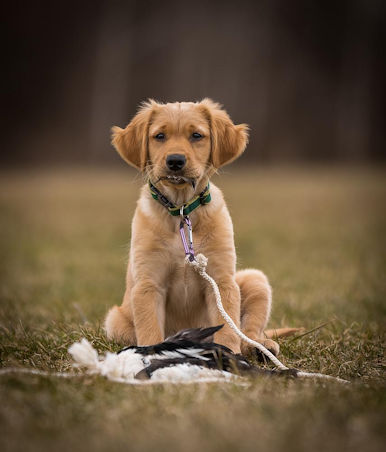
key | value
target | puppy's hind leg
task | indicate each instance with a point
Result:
(256, 299)
(120, 327)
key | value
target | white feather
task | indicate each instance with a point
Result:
(84, 354)
(193, 352)
(188, 373)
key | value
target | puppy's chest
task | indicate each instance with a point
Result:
(185, 285)
(176, 248)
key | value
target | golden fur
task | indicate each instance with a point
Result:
(162, 294)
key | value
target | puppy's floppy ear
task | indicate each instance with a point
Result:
(228, 140)
(132, 142)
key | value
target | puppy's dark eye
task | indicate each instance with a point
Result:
(196, 135)
(160, 136)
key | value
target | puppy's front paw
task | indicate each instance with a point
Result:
(229, 340)
(272, 346)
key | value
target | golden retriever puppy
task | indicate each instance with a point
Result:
(178, 146)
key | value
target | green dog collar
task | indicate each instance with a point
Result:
(200, 200)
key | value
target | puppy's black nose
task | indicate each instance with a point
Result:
(175, 162)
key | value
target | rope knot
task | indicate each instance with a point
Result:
(199, 264)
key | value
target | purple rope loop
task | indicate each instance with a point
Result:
(187, 243)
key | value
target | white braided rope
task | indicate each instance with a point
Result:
(199, 264)
(319, 375)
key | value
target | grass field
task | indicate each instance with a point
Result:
(319, 234)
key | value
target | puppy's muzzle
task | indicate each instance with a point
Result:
(175, 162)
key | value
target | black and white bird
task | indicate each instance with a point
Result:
(195, 347)
(189, 355)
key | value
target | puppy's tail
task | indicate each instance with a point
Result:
(282, 332)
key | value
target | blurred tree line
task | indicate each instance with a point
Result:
(307, 76)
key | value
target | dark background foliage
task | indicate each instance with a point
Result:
(307, 76)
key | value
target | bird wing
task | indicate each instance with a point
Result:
(196, 335)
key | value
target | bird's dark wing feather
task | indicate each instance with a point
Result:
(197, 335)
(189, 338)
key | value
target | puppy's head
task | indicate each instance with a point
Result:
(178, 144)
